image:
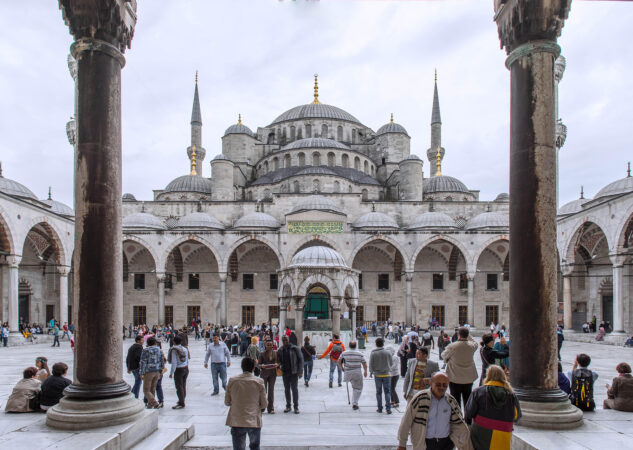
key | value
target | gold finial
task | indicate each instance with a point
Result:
(316, 90)
(196, 77)
(438, 162)
(391, 117)
(436, 75)
(193, 160)
(239, 119)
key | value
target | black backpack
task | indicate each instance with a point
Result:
(581, 394)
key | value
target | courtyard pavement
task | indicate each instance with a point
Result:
(326, 419)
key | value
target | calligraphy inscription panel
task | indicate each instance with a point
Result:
(315, 227)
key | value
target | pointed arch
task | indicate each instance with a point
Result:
(319, 279)
(224, 264)
(142, 242)
(7, 237)
(308, 242)
(191, 237)
(573, 242)
(55, 234)
(386, 238)
(624, 232)
(440, 237)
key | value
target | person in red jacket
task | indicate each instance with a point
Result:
(335, 349)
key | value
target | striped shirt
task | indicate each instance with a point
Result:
(352, 359)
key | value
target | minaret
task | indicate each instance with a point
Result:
(561, 128)
(436, 133)
(196, 131)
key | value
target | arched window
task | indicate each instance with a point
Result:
(249, 196)
(364, 194)
(349, 188)
(287, 161)
(308, 130)
(354, 136)
(293, 132)
(271, 138)
(339, 133)
(449, 199)
(296, 187)
(372, 170)
(357, 163)
(265, 166)
(283, 137)
(337, 186)
(324, 131)
(366, 167)
(316, 159)
(381, 196)
(302, 159)
(316, 186)
(299, 133)
(345, 160)
(331, 159)
(275, 163)
(267, 194)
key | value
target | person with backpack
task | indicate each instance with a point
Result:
(335, 349)
(582, 381)
(428, 341)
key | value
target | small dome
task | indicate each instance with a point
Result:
(621, 186)
(488, 220)
(200, 220)
(412, 157)
(238, 128)
(14, 188)
(221, 157)
(432, 219)
(444, 183)
(189, 183)
(315, 111)
(127, 197)
(257, 220)
(572, 207)
(315, 143)
(317, 203)
(391, 127)
(316, 170)
(318, 256)
(59, 207)
(502, 198)
(143, 220)
(375, 220)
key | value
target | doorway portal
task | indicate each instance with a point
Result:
(317, 305)
(607, 308)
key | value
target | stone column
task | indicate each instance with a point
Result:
(353, 317)
(618, 303)
(299, 305)
(98, 396)
(471, 300)
(528, 29)
(160, 277)
(13, 261)
(283, 311)
(336, 315)
(223, 306)
(408, 311)
(567, 316)
(63, 294)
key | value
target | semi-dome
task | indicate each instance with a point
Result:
(391, 127)
(432, 219)
(315, 143)
(257, 220)
(144, 221)
(11, 187)
(503, 198)
(317, 203)
(318, 256)
(200, 220)
(444, 183)
(314, 111)
(622, 186)
(375, 220)
(572, 207)
(492, 220)
(127, 197)
(189, 183)
(316, 170)
(59, 207)
(239, 128)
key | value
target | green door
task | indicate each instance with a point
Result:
(316, 306)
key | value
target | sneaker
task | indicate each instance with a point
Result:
(355, 407)
(388, 411)
(178, 407)
(306, 383)
(339, 385)
(160, 405)
(330, 384)
(215, 393)
(296, 410)
(287, 410)
(379, 411)
(272, 411)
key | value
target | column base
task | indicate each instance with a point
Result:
(561, 415)
(80, 414)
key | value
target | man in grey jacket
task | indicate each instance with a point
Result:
(460, 365)
(419, 373)
(379, 368)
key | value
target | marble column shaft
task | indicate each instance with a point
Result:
(299, 324)
(567, 317)
(409, 299)
(13, 293)
(618, 303)
(63, 297)
(160, 278)
(471, 301)
(223, 306)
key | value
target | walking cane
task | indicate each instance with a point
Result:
(347, 387)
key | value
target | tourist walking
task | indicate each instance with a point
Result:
(246, 398)
(53, 388)
(582, 381)
(351, 362)
(493, 408)
(620, 393)
(55, 336)
(253, 349)
(335, 349)
(460, 365)
(178, 356)
(433, 419)
(291, 363)
(394, 374)
(428, 341)
(380, 368)
(268, 364)
(419, 373)
(442, 342)
(309, 353)
(5, 335)
(25, 394)
(133, 362)
(65, 330)
(560, 337)
(150, 370)
(403, 351)
(489, 355)
(220, 358)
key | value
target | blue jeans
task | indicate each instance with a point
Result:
(5, 340)
(239, 437)
(307, 370)
(137, 383)
(334, 365)
(383, 384)
(218, 369)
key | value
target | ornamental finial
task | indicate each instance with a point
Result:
(193, 160)
(438, 162)
(196, 77)
(391, 117)
(436, 75)
(49, 193)
(239, 119)
(628, 170)
(582, 192)
(0, 169)
(316, 90)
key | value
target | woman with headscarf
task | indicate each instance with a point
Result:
(489, 355)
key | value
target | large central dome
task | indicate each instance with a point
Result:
(315, 111)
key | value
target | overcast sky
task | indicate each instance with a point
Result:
(258, 57)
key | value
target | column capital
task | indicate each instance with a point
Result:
(161, 277)
(13, 260)
(110, 21)
(300, 302)
(222, 276)
(336, 302)
(523, 21)
(567, 269)
(408, 276)
(63, 271)
(284, 302)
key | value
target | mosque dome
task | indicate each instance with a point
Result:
(315, 111)
(572, 207)
(318, 256)
(621, 186)
(493, 220)
(11, 187)
(127, 197)
(239, 128)
(200, 220)
(444, 183)
(391, 127)
(59, 207)
(412, 157)
(432, 219)
(257, 220)
(315, 143)
(375, 220)
(221, 157)
(502, 198)
(189, 183)
(317, 203)
(143, 220)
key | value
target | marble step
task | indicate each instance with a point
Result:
(299, 442)
(169, 436)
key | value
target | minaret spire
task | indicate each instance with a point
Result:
(435, 115)
(435, 150)
(196, 129)
(196, 116)
(49, 193)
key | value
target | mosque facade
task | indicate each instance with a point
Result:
(317, 216)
